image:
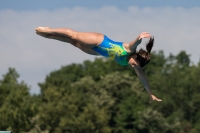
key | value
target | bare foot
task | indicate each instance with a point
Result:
(42, 29)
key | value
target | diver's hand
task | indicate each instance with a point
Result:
(154, 98)
(145, 35)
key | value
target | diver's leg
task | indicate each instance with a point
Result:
(84, 48)
(89, 39)
(75, 43)
(56, 37)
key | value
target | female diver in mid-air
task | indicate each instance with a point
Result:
(99, 44)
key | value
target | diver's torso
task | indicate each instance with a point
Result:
(113, 50)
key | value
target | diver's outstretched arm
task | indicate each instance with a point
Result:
(145, 83)
(131, 47)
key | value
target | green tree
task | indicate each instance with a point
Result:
(101, 96)
(16, 110)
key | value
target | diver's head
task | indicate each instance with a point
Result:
(142, 57)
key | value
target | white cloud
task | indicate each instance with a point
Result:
(175, 29)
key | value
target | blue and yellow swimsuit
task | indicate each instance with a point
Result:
(113, 50)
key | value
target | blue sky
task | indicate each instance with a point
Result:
(175, 24)
(121, 4)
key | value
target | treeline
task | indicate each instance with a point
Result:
(103, 97)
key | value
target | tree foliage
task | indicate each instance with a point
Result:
(102, 97)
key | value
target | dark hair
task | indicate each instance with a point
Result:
(143, 56)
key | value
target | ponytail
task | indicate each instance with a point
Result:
(150, 44)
